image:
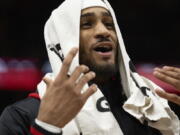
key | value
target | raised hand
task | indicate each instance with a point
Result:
(64, 99)
(170, 75)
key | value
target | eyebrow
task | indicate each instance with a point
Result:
(87, 14)
(106, 14)
(93, 14)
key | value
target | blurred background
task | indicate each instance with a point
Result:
(150, 29)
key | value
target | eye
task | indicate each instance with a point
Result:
(109, 25)
(86, 25)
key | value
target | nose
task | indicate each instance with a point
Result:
(101, 31)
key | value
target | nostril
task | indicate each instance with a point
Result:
(99, 36)
(102, 38)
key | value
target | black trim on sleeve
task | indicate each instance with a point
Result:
(42, 130)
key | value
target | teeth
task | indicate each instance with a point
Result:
(103, 49)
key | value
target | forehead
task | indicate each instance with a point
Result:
(95, 11)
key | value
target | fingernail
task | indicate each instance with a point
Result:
(166, 67)
(157, 69)
(87, 68)
(94, 86)
(75, 49)
(156, 73)
(93, 73)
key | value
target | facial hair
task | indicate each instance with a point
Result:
(103, 71)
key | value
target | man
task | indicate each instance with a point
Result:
(170, 75)
(97, 93)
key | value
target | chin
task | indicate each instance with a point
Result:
(104, 69)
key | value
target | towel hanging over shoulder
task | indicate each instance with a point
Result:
(61, 34)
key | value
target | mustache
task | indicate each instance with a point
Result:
(103, 39)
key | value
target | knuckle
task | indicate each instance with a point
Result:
(76, 93)
(83, 68)
(80, 101)
(73, 51)
(68, 85)
(91, 75)
(178, 87)
(76, 68)
(178, 75)
(66, 62)
(175, 98)
(80, 68)
(55, 84)
(86, 77)
(176, 83)
(83, 80)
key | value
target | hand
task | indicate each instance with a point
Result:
(170, 75)
(63, 99)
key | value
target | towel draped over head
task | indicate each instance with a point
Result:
(62, 33)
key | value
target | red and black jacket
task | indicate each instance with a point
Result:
(18, 119)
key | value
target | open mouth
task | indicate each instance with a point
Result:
(103, 49)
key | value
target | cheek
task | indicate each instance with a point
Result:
(114, 36)
(85, 40)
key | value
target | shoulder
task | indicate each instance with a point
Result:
(20, 113)
(28, 105)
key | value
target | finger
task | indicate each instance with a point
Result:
(167, 79)
(90, 91)
(175, 69)
(85, 79)
(47, 80)
(169, 96)
(66, 64)
(170, 73)
(77, 72)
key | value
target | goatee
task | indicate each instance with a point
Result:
(104, 72)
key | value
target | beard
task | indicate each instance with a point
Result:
(103, 72)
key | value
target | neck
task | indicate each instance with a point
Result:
(102, 80)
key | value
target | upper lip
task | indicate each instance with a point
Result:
(103, 44)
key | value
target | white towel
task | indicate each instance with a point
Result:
(61, 34)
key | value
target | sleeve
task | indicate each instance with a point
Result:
(48, 127)
(35, 129)
(11, 123)
(18, 120)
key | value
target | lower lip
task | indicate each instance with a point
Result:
(105, 54)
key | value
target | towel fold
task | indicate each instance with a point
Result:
(61, 34)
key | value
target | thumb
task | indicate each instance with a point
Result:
(47, 80)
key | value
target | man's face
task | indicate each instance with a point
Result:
(98, 40)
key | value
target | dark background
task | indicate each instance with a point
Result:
(150, 29)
